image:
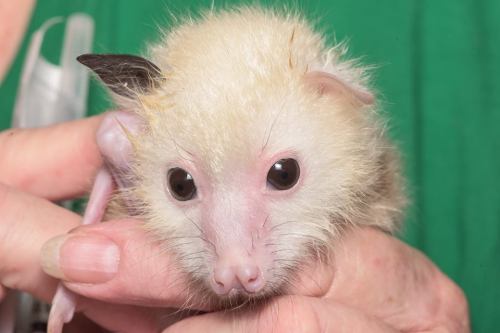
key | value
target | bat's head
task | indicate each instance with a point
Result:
(254, 153)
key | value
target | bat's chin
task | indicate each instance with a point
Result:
(239, 298)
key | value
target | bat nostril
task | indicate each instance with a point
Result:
(250, 278)
(224, 280)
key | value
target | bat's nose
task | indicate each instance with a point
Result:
(247, 277)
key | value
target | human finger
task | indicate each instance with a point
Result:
(378, 274)
(118, 262)
(285, 314)
(54, 162)
(126, 318)
(26, 223)
(385, 278)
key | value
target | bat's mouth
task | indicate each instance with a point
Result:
(243, 295)
(239, 298)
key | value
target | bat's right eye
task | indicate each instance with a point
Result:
(181, 184)
(284, 174)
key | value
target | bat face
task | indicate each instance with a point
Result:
(247, 162)
(255, 188)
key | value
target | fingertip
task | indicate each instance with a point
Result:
(146, 273)
(81, 258)
(49, 256)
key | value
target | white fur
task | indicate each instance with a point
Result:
(234, 88)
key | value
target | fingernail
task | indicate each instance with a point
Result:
(81, 258)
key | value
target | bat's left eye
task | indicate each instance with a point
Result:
(181, 184)
(284, 174)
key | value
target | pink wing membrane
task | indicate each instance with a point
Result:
(116, 149)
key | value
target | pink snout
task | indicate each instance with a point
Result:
(247, 277)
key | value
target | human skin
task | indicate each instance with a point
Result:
(14, 16)
(375, 282)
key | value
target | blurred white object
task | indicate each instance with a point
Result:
(50, 93)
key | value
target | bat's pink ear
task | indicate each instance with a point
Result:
(112, 137)
(328, 84)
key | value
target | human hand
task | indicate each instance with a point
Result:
(38, 166)
(375, 282)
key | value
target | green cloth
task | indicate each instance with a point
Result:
(439, 77)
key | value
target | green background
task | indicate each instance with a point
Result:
(439, 77)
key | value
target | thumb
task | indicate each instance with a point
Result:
(117, 262)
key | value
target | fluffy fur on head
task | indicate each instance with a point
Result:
(232, 93)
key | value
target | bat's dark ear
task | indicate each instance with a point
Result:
(124, 74)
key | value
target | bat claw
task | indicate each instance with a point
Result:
(62, 309)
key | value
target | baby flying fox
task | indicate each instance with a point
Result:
(247, 147)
